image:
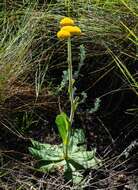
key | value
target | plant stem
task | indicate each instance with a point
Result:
(67, 4)
(70, 75)
(70, 92)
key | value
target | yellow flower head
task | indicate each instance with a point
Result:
(73, 30)
(68, 29)
(66, 21)
(63, 34)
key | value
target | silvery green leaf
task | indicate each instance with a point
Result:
(78, 136)
(77, 178)
(77, 141)
(72, 173)
(39, 146)
(87, 159)
(94, 163)
(83, 155)
(47, 154)
(53, 166)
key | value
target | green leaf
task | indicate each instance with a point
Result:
(94, 163)
(87, 159)
(72, 173)
(63, 125)
(78, 136)
(47, 154)
(77, 178)
(77, 141)
(53, 166)
(84, 155)
(40, 146)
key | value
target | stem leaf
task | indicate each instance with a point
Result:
(64, 126)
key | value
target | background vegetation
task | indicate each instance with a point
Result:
(32, 61)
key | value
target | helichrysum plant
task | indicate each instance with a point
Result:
(71, 156)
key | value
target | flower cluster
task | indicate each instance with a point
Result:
(68, 29)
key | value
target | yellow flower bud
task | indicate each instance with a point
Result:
(66, 22)
(63, 34)
(74, 30)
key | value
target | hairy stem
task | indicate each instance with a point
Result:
(70, 92)
(67, 4)
(70, 75)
